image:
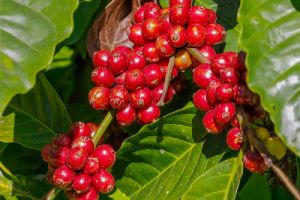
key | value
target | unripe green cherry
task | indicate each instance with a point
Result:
(275, 147)
(261, 133)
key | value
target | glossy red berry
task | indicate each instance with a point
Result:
(85, 143)
(163, 46)
(229, 75)
(220, 62)
(153, 75)
(120, 80)
(254, 162)
(215, 34)
(62, 140)
(100, 58)
(136, 61)
(152, 12)
(179, 14)
(234, 139)
(135, 34)
(196, 35)
(200, 101)
(199, 15)
(139, 14)
(122, 49)
(211, 92)
(149, 114)
(63, 176)
(119, 97)
(134, 79)
(141, 98)
(224, 113)
(234, 122)
(126, 116)
(101, 76)
(203, 75)
(58, 156)
(150, 53)
(151, 28)
(233, 57)
(91, 165)
(177, 36)
(99, 98)
(77, 158)
(106, 156)
(82, 183)
(93, 128)
(224, 92)
(164, 69)
(80, 129)
(212, 16)
(165, 20)
(207, 51)
(158, 91)
(174, 2)
(103, 181)
(91, 194)
(209, 124)
(46, 151)
(117, 62)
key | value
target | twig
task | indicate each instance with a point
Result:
(53, 192)
(167, 81)
(103, 126)
(249, 133)
(198, 55)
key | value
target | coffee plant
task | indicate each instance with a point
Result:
(140, 99)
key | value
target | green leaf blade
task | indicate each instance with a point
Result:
(273, 65)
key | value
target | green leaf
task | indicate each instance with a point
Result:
(34, 118)
(219, 182)
(270, 35)
(2, 147)
(163, 159)
(29, 33)
(116, 195)
(63, 58)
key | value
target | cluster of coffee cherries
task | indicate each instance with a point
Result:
(77, 166)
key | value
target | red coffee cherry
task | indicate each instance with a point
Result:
(153, 74)
(134, 79)
(136, 61)
(63, 176)
(139, 14)
(103, 182)
(215, 34)
(164, 68)
(211, 92)
(150, 53)
(141, 98)
(163, 46)
(151, 28)
(203, 75)
(91, 166)
(101, 76)
(46, 151)
(165, 20)
(196, 35)
(224, 113)
(85, 143)
(207, 51)
(149, 114)
(122, 49)
(234, 122)
(179, 14)
(126, 116)
(77, 158)
(91, 194)
(62, 140)
(136, 35)
(229, 75)
(106, 156)
(177, 36)
(119, 97)
(82, 183)
(158, 91)
(58, 156)
(212, 16)
(200, 101)
(120, 80)
(99, 98)
(234, 139)
(100, 58)
(152, 12)
(209, 124)
(93, 128)
(117, 62)
(80, 129)
(243, 96)
(186, 2)
(224, 92)
(220, 62)
(233, 57)
(254, 162)
(199, 15)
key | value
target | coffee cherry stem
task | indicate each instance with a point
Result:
(103, 126)
(243, 120)
(167, 80)
(53, 192)
(196, 54)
